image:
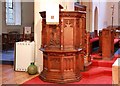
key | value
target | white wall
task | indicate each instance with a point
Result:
(68, 5)
(94, 5)
(88, 15)
(0, 18)
(27, 18)
(105, 14)
(39, 5)
(109, 10)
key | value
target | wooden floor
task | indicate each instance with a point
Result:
(9, 76)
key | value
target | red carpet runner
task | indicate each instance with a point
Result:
(99, 73)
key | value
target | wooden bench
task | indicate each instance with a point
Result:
(116, 41)
(94, 40)
(94, 43)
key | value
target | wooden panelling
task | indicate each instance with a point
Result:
(63, 46)
(9, 39)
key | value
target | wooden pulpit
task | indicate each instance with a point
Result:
(63, 47)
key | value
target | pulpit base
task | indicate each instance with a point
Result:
(53, 77)
(61, 66)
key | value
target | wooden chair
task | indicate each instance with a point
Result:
(5, 41)
(12, 38)
(95, 33)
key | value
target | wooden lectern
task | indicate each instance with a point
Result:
(62, 47)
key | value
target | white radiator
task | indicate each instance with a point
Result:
(24, 55)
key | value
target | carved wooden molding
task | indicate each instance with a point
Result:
(66, 14)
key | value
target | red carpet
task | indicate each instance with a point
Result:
(96, 56)
(96, 75)
(94, 39)
(103, 63)
(116, 40)
(99, 73)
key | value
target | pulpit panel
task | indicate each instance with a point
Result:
(62, 47)
(68, 28)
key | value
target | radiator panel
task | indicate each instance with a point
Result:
(24, 55)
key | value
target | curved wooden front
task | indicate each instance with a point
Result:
(61, 66)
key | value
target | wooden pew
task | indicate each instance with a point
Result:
(100, 41)
(117, 33)
(87, 59)
(94, 40)
(96, 33)
(4, 41)
(107, 43)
